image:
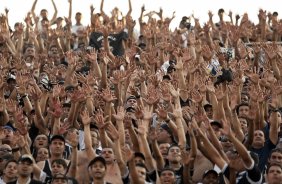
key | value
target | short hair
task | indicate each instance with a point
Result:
(278, 150)
(60, 161)
(275, 13)
(78, 13)
(240, 105)
(221, 10)
(273, 164)
(43, 10)
(9, 161)
(171, 146)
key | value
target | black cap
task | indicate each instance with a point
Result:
(207, 106)
(97, 159)
(216, 123)
(59, 137)
(211, 171)
(139, 154)
(26, 158)
(131, 97)
(166, 128)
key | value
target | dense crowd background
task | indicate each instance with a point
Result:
(104, 103)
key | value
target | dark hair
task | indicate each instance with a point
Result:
(9, 161)
(275, 13)
(171, 146)
(279, 150)
(240, 105)
(60, 162)
(221, 10)
(273, 164)
(43, 10)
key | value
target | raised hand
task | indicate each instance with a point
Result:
(112, 131)
(120, 114)
(100, 120)
(57, 107)
(162, 113)
(108, 96)
(85, 118)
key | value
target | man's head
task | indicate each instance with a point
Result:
(44, 13)
(167, 176)
(173, 155)
(210, 177)
(42, 154)
(163, 147)
(4, 159)
(275, 156)
(243, 109)
(78, 17)
(274, 173)
(25, 165)
(209, 110)
(10, 170)
(9, 134)
(29, 51)
(139, 158)
(97, 168)
(108, 155)
(59, 166)
(164, 134)
(216, 126)
(59, 179)
(244, 124)
(57, 145)
(41, 141)
(141, 170)
(131, 102)
(259, 139)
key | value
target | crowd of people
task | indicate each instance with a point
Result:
(106, 104)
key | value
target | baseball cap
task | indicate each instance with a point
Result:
(166, 128)
(26, 158)
(216, 123)
(59, 137)
(207, 106)
(9, 127)
(211, 171)
(97, 159)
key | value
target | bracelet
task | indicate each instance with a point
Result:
(137, 96)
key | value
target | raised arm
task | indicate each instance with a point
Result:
(130, 8)
(33, 9)
(70, 9)
(85, 118)
(53, 20)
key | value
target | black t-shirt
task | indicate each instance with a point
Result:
(115, 41)
(252, 175)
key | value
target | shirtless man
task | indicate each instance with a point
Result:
(57, 147)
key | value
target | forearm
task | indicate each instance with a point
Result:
(120, 127)
(236, 126)
(104, 76)
(55, 13)
(73, 167)
(160, 163)
(180, 133)
(88, 142)
(242, 151)
(147, 153)
(134, 139)
(56, 126)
